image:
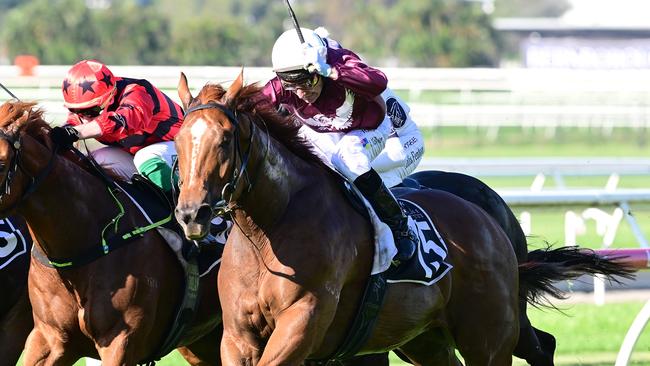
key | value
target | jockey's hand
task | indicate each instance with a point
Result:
(64, 136)
(315, 59)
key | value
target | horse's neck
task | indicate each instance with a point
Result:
(276, 176)
(65, 211)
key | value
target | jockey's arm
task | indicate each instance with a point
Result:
(355, 75)
(133, 114)
(89, 130)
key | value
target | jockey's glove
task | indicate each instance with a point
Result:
(64, 136)
(315, 59)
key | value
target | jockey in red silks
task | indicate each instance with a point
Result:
(338, 99)
(133, 117)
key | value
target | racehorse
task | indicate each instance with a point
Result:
(15, 311)
(119, 306)
(299, 256)
(534, 345)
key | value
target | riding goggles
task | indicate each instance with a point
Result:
(87, 112)
(311, 82)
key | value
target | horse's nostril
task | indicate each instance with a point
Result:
(204, 213)
(183, 215)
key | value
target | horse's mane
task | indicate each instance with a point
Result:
(12, 110)
(252, 103)
(36, 127)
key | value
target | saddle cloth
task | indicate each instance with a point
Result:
(428, 265)
(13, 243)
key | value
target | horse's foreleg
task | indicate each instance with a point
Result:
(204, 351)
(431, 348)
(14, 329)
(238, 351)
(295, 334)
(38, 351)
(119, 351)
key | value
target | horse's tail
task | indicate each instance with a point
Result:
(546, 266)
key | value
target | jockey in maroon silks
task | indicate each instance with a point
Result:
(337, 97)
(133, 117)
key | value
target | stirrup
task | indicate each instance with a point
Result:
(409, 237)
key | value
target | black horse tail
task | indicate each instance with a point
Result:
(546, 266)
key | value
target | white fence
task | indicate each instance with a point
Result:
(481, 97)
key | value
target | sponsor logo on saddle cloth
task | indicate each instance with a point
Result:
(428, 265)
(12, 243)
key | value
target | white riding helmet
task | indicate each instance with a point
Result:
(287, 50)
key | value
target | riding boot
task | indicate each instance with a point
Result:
(390, 212)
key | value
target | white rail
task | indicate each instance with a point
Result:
(527, 97)
(584, 166)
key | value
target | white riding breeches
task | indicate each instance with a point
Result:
(349, 152)
(394, 149)
(164, 150)
(125, 164)
(117, 160)
(405, 146)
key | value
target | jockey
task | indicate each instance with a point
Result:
(338, 99)
(405, 146)
(136, 120)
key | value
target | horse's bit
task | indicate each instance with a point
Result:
(224, 205)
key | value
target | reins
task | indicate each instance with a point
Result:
(225, 204)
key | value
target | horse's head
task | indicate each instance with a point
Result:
(209, 149)
(18, 167)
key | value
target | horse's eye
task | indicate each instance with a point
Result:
(225, 141)
(2, 166)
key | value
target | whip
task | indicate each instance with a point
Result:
(295, 22)
(9, 92)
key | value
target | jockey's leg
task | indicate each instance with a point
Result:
(117, 160)
(155, 161)
(389, 211)
(355, 152)
(401, 155)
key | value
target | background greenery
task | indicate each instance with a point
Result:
(447, 33)
(450, 33)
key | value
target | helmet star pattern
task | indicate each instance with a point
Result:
(66, 85)
(87, 86)
(107, 79)
(89, 83)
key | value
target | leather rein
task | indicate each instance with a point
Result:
(225, 203)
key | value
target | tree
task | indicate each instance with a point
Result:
(526, 8)
(65, 31)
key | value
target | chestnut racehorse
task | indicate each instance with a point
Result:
(298, 257)
(15, 311)
(118, 307)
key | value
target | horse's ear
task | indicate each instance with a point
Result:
(235, 88)
(184, 91)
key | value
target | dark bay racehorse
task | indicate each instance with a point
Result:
(299, 256)
(15, 311)
(119, 306)
(534, 345)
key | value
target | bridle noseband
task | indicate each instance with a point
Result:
(224, 205)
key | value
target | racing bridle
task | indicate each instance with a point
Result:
(224, 204)
(14, 141)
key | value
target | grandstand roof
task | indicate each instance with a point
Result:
(620, 17)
